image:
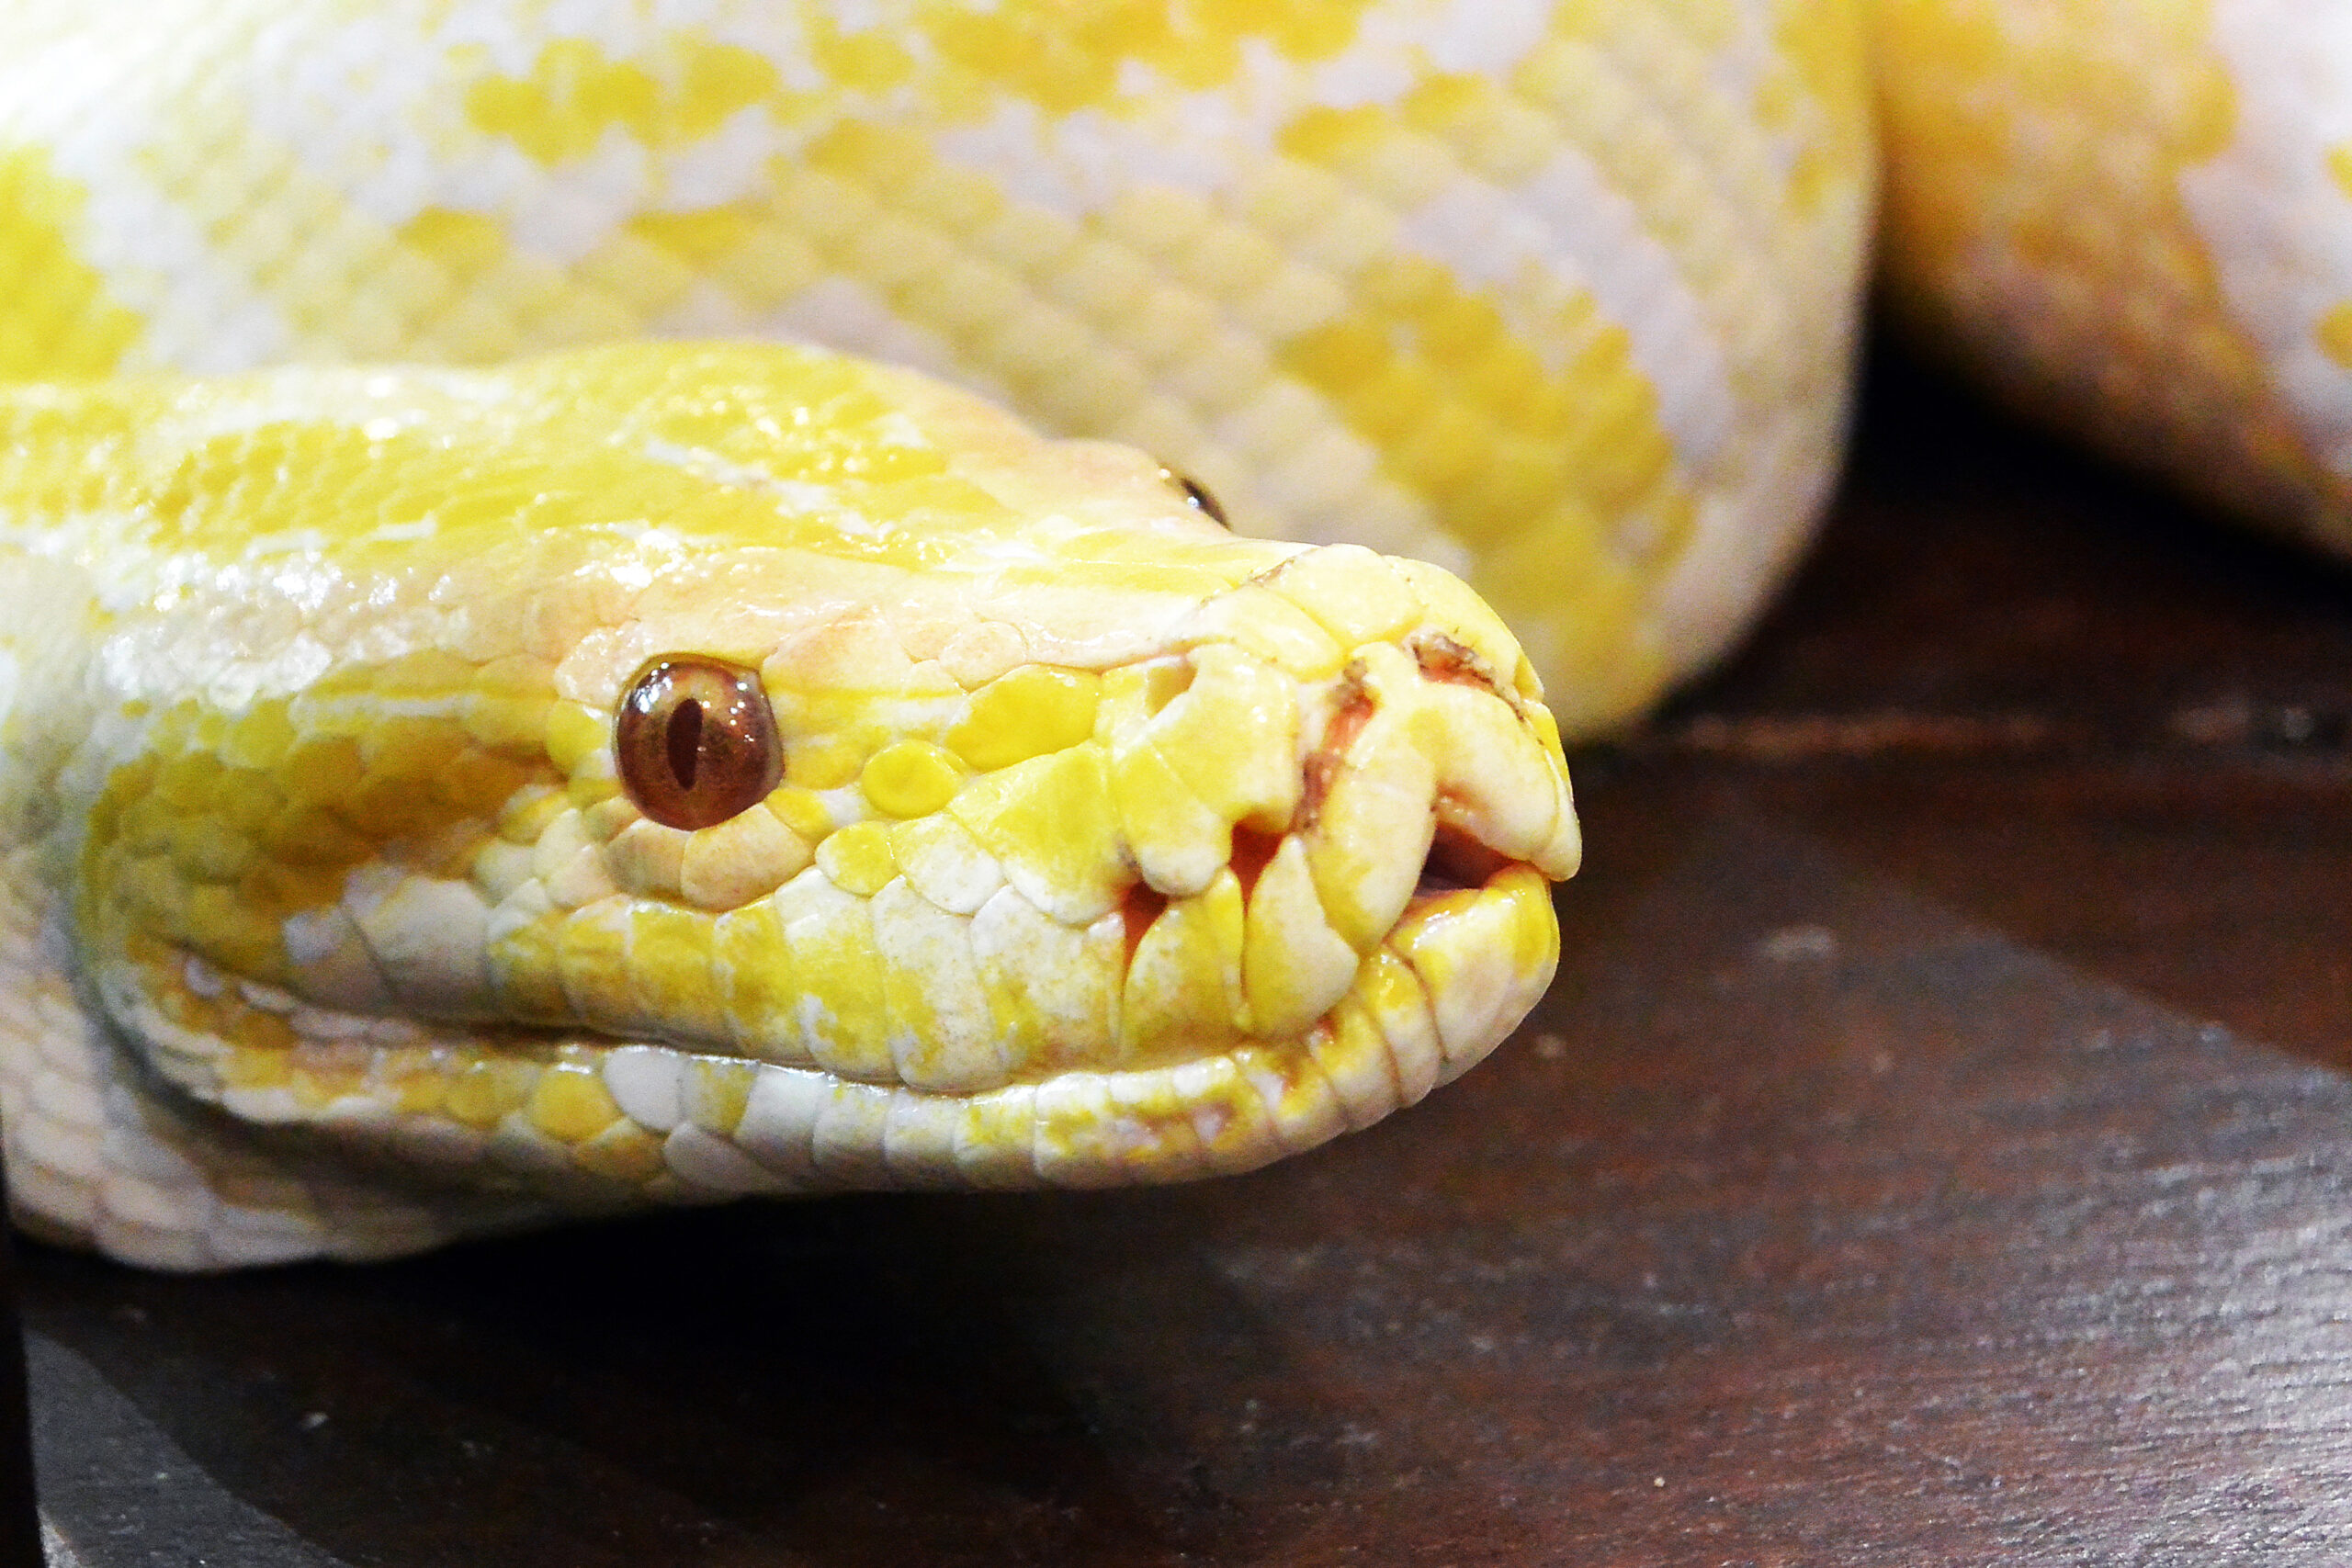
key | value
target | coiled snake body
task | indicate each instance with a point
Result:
(439, 797)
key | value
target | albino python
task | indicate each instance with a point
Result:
(636, 763)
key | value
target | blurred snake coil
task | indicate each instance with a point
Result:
(497, 722)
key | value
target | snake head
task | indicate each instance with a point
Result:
(664, 773)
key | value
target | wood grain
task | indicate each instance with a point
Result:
(1934, 1151)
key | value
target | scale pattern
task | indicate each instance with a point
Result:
(1557, 296)
(2134, 219)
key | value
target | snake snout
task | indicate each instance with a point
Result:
(1427, 779)
(1364, 776)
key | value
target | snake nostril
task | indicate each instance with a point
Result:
(1457, 860)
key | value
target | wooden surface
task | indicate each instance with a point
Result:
(1934, 1152)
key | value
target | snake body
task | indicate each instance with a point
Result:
(1100, 844)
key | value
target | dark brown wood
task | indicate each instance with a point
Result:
(1935, 1151)
(20, 1545)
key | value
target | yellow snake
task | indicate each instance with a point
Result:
(437, 798)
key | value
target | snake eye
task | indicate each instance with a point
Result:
(696, 741)
(1196, 494)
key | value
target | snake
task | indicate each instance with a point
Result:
(621, 602)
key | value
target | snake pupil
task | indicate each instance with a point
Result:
(685, 742)
(694, 740)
